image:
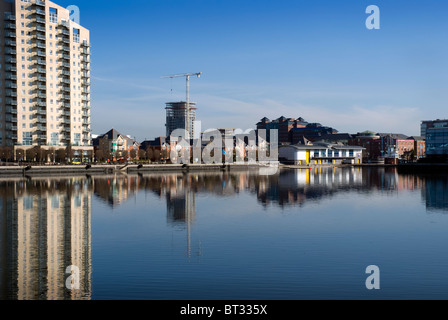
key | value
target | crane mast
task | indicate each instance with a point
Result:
(187, 76)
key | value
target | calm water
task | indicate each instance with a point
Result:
(296, 235)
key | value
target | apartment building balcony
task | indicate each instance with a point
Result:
(10, 17)
(85, 98)
(64, 49)
(10, 76)
(85, 44)
(64, 72)
(10, 26)
(85, 90)
(10, 43)
(10, 110)
(41, 128)
(40, 12)
(86, 107)
(41, 87)
(64, 31)
(39, 36)
(39, 3)
(11, 119)
(64, 90)
(10, 85)
(41, 70)
(65, 105)
(41, 120)
(64, 40)
(10, 68)
(41, 104)
(11, 102)
(65, 65)
(11, 93)
(10, 34)
(65, 97)
(66, 113)
(10, 60)
(41, 95)
(10, 51)
(85, 75)
(39, 44)
(41, 62)
(85, 52)
(85, 114)
(39, 28)
(65, 80)
(65, 121)
(64, 57)
(41, 53)
(41, 79)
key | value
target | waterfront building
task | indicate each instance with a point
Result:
(115, 146)
(419, 146)
(320, 154)
(283, 125)
(381, 146)
(436, 134)
(45, 78)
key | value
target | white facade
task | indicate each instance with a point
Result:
(320, 154)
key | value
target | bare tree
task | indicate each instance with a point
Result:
(60, 155)
(133, 154)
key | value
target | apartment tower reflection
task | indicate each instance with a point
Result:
(45, 228)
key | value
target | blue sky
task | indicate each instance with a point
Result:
(309, 58)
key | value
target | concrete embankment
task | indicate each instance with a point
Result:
(52, 170)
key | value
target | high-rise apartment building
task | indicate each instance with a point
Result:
(178, 116)
(44, 77)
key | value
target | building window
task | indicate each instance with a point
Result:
(27, 139)
(54, 138)
(53, 15)
(75, 35)
(77, 139)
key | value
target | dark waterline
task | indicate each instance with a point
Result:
(300, 234)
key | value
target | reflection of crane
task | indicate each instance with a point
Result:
(187, 76)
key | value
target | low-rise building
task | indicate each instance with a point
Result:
(435, 133)
(320, 154)
(114, 146)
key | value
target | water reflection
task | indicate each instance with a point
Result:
(45, 227)
(45, 223)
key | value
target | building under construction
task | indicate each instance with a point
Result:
(178, 116)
